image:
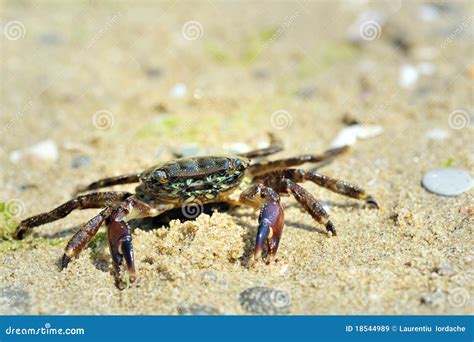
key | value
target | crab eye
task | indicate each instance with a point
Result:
(161, 176)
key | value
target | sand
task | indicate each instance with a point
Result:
(413, 256)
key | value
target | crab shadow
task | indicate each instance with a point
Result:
(146, 224)
(163, 221)
(246, 260)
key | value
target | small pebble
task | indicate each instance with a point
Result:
(408, 76)
(428, 13)
(306, 92)
(447, 182)
(153, 72)
(24, 187)
(261, 74)
(349, 120)
(444, 270)
(80, 161)
(426, 68)
(437, 134)
(349, 135)
(265, 301)
(45, 150)
(179, 90)
(435, 298)
(197, 310)
(160, 108)
(51, 39)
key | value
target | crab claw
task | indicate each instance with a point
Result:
(20, 232)
(372, 202)
(271, 221)
(120, 242)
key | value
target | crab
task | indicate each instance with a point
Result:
(201, 180)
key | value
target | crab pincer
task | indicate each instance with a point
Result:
(270, 228)
(120, 242)
(205, 179)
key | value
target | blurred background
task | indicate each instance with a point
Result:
(99, 88)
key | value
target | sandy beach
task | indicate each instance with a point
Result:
(116, 87)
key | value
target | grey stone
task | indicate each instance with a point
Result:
(265, 301)
(14, 300)
(81, 161)
(447, 182)
(197, 310)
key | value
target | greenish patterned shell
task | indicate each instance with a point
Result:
(189, 179)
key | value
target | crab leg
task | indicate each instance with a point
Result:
(268, 166)
(274, 178)
(120, 235)
(83, 236)
(275, 146)
(93, 200)
(270, 220)
(102, 183)
(312, 206)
